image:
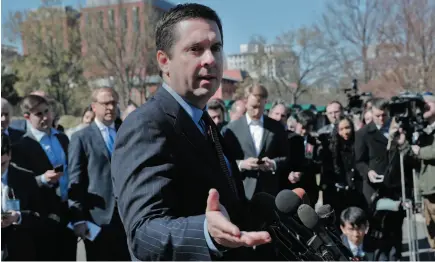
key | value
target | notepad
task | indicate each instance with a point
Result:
(94, 230)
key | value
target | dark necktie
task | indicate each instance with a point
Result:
(213, 137)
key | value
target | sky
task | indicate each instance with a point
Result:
(241, 19)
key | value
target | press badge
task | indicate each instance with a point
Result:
(13, 205)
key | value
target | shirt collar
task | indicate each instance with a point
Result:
(194, 112)
(6, 132)
(250, 120)
(353, 246)
(39, 134)
(102, 126)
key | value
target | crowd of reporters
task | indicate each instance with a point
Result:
(357, 157)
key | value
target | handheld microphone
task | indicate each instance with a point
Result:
(329, 250)
(302, 195)
(287, 242)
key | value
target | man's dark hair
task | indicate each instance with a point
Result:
(216, 104)
(165, 29)
(355, 216)
(305, 118)
(6, 144)
(380, 103)
(31, 101)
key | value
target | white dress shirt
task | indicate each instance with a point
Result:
(256, 129)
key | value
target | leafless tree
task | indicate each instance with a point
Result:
(351, 28)
(52, 45)
(410, 33)
(119, 45)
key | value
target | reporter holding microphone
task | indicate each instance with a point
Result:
(179, 193)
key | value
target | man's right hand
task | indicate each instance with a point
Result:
(226, 233)
(249, 164)
(81, 230)
(51, 176)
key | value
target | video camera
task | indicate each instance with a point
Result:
(408, 110)
(355, 103)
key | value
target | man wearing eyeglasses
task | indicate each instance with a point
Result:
(91, 196)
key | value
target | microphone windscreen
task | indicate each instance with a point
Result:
(263, 206)
(308, 216)
(287, 201)
(302, 195)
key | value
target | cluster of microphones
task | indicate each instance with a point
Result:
(298, 231)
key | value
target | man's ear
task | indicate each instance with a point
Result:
(342, 228)
(163, 61)
(26, 116)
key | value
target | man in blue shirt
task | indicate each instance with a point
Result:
(43, 150)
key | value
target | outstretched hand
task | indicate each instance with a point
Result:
(226, 233)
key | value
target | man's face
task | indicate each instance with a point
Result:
(333, 112)
(216, 115)
(279, 113)
(40, 117)
(239, 111)
(429, 114)
(379, 116)
(354, 234)
(195, 64)
(255, 105)
(6, 118)
(105, 107)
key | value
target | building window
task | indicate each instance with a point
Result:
(124, 18)
(100, 19)
(136, 24)
(111, 18)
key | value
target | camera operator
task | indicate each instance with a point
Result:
(426, 153)
(380, 170)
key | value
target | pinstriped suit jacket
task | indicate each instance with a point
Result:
(162, 170)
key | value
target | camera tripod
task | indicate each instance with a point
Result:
(410, 212)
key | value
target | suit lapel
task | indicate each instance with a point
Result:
(37, 147)
(185, 126)
(249, 140)
(99, 140)
(264, 137)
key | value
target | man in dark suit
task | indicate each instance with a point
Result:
(304, 157)
(259, 144)
(91, 196)
(170, 162)
(380, 170)
(6, 111)
(19, 226)
(43, 151)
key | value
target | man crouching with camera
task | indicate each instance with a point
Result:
(426, 153)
